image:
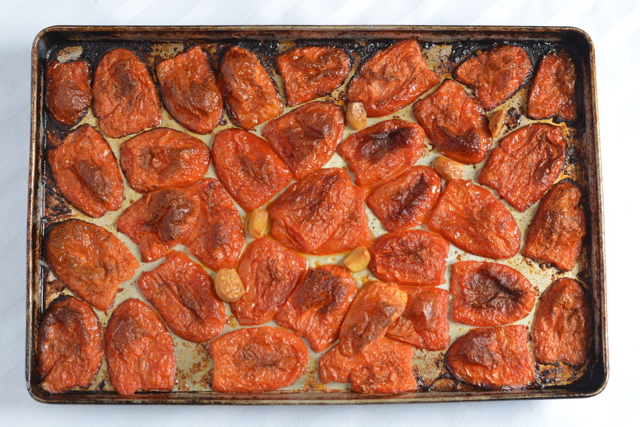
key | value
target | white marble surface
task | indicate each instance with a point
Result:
(614, 27)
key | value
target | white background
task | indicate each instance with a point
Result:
(614, 27)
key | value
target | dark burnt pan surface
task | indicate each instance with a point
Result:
(361, 43)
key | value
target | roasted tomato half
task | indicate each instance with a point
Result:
(382, 151)
(392, 79)
(70, 345)
(455, 123)
(376, 307)
(553, 92)
(139, 349)
(89, 260)
(558, 228)
(183, 294)
(526, 164)
(257, 359)
(248, 90)
(489, 294)
(306, 138)
(68, 90)
(318, 305)
(269, 273)
(125, 99)
(162, 158)
(562, 324)
(474, 220)
(494, 358)
(190, 91)
(86, 172)
(382, 368)
(312, 71)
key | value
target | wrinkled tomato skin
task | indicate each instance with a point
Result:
(68, 90)
(255, 360)
(383, 368)
(217, 237)
(553, 92)
(248, 168)
(392, 79)
(495, 75)
(309, 215)
(525, 164)
(312, 71)
(89, 260)
(410, 257)
(190, 91)
(86, 172)
(424, 323)
(306, 138)
(492, 358)
(139, 349)
(249, 93)
(455, 123)
(489, 294)
(125, 99)
(269, 273)
(383, 151)
(376, 306)
(162, 158)
(318, 305)
(474, 220)
(159, 221)
(558, 228)
(70, 346)
(406, 201)
(562, 324)
(182, 293)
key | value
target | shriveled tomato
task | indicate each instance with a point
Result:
(382, 151)
(306, 138)
(376, 307)
(410, 257)
(139, 349)
(86, 172)
(70, 345)
(455, 123)
(318, 305)
(182, 292)
(324, 213)
(495, 74)
(383, 368)
(162, 158)
(89, 260)
(312, 71)
(558, 228)
(494, 358)
(248, 90)
(407, 200)
(423, 324)
(248, 168)
(474, 220)
(553, 92)
(190, 91)
(562, 324)
(526, 164)
(269, 273)
(257, 359)
(160, 220)
(392, 79)
(125, 99)
(68, 91)
(489, 294)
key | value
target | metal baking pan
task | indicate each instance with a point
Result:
(443, 47)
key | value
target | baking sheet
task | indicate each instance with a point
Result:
(46, 204)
